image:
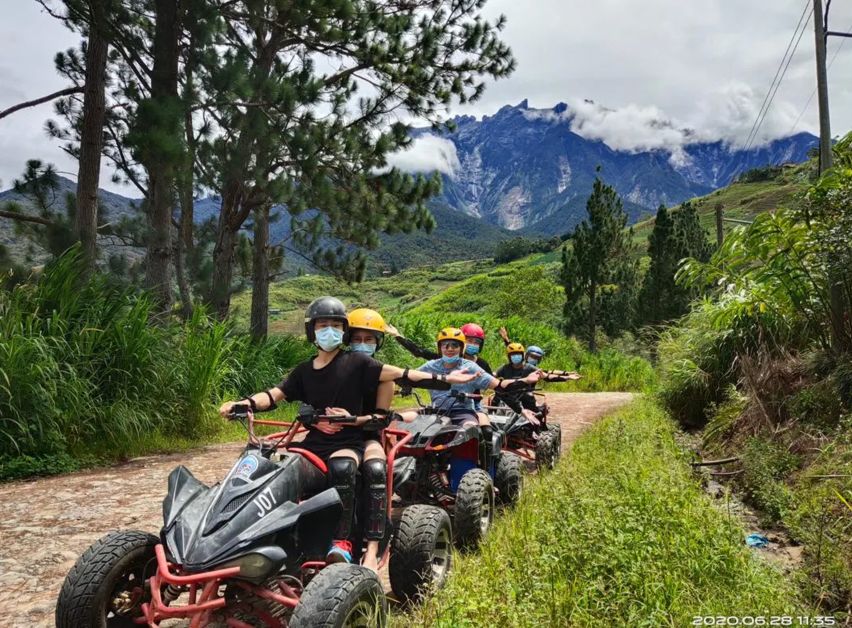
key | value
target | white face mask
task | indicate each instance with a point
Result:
(329, 338)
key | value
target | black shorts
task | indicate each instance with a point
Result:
(459, 417)
(315, 442)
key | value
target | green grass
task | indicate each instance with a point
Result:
(619, 535)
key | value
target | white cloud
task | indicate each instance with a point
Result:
(630, 128)
(427, 153)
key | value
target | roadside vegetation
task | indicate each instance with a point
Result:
(86, 377)
(762, 364)
(620, 534)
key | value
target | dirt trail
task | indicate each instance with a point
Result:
(48, 523)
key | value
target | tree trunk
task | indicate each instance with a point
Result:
(593, 312)
(164, 84)
(260, 274)
(223, 265)
(183, 284)
(91, 139)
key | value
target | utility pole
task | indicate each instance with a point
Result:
(838, 335)
(720, 229)
(822, 90)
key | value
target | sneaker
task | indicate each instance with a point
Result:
(340, 552)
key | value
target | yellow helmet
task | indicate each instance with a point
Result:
(450, 333)
(371, 320)
(514, 347)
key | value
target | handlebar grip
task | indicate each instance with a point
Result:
(238, 411)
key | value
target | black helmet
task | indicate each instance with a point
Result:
(326, 307)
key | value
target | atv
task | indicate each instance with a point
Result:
(535, 440)
(250, 550)
(443, 465)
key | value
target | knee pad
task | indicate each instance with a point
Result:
(342, 475)
(375, 471)
(375, 499)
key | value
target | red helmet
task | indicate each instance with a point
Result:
(472, 330)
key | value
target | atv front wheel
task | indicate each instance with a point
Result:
(422, 551)
(545, 450)
(342, 596)
(474, 508)
(106, 586)
(509, 478)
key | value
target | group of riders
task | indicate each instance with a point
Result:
(344, 378)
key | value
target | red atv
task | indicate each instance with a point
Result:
(250, 550)
(443, 465)
(536, 440)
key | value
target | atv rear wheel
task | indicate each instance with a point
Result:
(545, 450)
(474, 508)
(556, 430)
(509, 478)
(106, 586)
(422, 552)
(342, 596)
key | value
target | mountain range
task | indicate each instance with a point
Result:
(526, 169)
(522, 171)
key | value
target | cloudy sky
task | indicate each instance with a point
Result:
(703, 66)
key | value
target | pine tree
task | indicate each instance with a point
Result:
(658, 283)
(317, 141)
(599, 261)
(676, 236)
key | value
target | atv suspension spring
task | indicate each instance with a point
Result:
(171, 593)
(438, 485)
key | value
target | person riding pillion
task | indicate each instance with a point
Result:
(335, 382)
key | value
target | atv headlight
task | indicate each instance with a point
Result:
(251, 565)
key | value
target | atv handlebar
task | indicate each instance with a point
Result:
(463, 395)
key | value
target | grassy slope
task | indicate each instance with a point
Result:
(619, 535)
(742, 201)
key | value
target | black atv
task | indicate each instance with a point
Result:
(250, 550)
(443, 465)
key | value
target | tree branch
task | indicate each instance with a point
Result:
(26, 218)
(38, 101)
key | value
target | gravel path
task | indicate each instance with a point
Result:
(49, 522)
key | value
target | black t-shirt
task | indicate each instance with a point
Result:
(345, 382)
(517, 398)
(480, 362)
(507, 371)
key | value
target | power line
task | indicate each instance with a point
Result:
(778, 84)
(766, 98)
(813, 93)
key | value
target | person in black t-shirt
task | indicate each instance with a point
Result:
(521, 401)
(335, 382)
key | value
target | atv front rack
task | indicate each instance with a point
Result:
(204, 598)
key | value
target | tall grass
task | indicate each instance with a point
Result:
(619, 535)
(84, 371)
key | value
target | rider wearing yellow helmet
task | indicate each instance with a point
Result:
(367, 330)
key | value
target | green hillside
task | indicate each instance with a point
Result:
(743, 201)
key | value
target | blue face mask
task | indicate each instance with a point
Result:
(329, 338)
(451, 361)
(363, 347)
(471, 349)
(516, 358)
(532, 361)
